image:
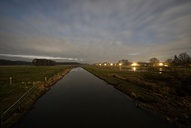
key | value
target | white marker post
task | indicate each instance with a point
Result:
(10, 80)
(45, 79)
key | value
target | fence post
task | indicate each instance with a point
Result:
(45, 79)
(10, 80)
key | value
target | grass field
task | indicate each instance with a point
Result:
(167, 92)
(22, 79)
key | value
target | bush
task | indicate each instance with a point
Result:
(182, 80)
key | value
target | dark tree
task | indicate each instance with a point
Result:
(184, 58)
(43, 62)
(176, 61)
(124, 62)
(169, 61)
(154, 61)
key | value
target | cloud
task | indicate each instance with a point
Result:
(96, 30)
(38, 57)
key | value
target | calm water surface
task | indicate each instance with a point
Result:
(82, 100)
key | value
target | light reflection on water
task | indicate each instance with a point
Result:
(134, 69)
(160, 70)
(120, 68)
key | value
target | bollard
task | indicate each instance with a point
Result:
(10, 80)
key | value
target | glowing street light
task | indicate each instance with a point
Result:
(120, 64)
(134, 64)
(99, 64)
(105, 64)
(160, 64)
(166, 65)
(111, 64)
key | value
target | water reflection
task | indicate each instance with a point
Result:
(82, 100)
(134, 69)
(76, 69)
(160, 70)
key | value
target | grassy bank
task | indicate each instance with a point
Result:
(23, 78)
(162, 92)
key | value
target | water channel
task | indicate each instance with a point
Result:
(80, 99)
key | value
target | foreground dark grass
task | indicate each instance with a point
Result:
(162, 92)
(23, 78)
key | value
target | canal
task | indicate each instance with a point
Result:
(80, 99)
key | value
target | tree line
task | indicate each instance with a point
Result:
(182, 59)
(9, 62)
(43, 62)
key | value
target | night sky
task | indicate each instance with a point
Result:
(94, 30)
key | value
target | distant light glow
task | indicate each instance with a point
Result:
(160, 64)
(111, 64)
(105, 64)
(99, 64)
(134, 64)
(120, 64)
(166, 65)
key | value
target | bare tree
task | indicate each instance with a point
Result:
(184, 58)
(124, 61)
(168, 61)
(154, 61)
(176, 61)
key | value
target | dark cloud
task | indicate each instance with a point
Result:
(100, 30)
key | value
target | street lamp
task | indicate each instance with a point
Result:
(160, 64)
(134, 64)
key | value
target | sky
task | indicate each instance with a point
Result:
(93, 31)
